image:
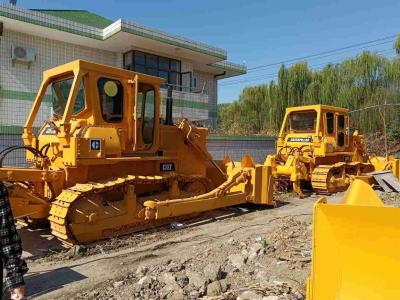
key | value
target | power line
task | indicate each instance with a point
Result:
(331, 54)
(324, 63)
(318, 56)
(374, 106)
(322, 53)
(274, 75)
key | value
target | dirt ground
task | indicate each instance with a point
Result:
(239, 253)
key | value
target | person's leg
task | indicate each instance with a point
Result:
(1, 277)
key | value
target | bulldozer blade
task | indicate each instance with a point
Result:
(356, 249)
(387, 181)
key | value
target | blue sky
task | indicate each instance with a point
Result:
(257, 32)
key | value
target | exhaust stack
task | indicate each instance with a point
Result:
(168, 113)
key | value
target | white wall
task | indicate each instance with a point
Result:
(209, 83)
(19, 82)
(21, 77)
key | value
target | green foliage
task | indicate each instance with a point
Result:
(394, 127)
(356, 83)
(397, 45)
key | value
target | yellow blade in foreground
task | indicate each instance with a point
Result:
(356, 249)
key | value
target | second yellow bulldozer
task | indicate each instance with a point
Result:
(106, 163)
(316, 147)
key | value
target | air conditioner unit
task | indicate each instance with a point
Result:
(23, 54)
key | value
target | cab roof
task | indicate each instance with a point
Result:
(316, 107)
(76, 65)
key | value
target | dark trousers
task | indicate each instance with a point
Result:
(1, 276)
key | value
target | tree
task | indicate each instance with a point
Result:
(357, 82)
(397, 45)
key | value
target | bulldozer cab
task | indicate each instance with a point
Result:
(313, 124)
(120, 106)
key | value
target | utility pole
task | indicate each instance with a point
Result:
(383, 116)
(384, 128)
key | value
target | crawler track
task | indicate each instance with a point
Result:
(87, 212)
(327, 179)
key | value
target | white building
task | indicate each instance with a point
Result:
(32, 41)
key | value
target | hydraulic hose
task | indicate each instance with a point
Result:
(8, 150)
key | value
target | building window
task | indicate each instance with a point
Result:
(111, 95)
(163, 63)
(164, 67)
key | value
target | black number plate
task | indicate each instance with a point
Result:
(167, 167)
(95, 144)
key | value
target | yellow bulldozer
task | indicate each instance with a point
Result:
(316, 148)
(107, 164)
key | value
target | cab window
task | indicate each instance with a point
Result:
(60, 91)
(341, 130)
(330, 122)
(341, 123)
(111, 95)
(146, 100)
(304, 121)
(139, 105)
(341, 139)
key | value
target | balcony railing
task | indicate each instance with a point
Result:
(188, 102)
(172, 38)
(228, 65)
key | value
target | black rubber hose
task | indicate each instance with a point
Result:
(8, 148)
(7, 151)
(46, 146)
(47, 150)
(280, 152)
(293, 149)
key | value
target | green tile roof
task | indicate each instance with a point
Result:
(79, 16)
(90, 25)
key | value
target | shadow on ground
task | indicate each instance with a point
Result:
(36, 242)
(38, 284)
